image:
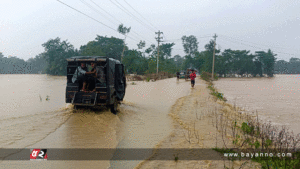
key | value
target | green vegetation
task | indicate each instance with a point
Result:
(148, 79)
(246, 128)
(144, 60)
(214, 92)
(251, 136)
(176, 158)
(207, 76)
(284, 67)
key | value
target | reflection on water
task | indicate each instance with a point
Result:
(276, 99)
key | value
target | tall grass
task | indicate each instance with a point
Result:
(247, 132)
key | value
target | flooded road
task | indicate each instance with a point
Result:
(141, 123)
(148, 123)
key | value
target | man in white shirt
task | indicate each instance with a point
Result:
(80, 75)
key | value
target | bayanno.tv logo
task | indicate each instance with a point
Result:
(38, 154)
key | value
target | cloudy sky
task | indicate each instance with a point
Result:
(239, 24)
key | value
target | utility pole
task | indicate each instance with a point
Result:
(158, 40)
(123, 49)
(213, 66)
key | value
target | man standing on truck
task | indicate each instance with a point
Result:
(80, 76)
(193, 76)
(91, 80)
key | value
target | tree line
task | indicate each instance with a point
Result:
(144, 60)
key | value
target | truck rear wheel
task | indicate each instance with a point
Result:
(114, 107)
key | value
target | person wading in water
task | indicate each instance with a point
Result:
(193, 76)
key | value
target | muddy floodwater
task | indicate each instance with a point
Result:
(276, 99)
(33, 114)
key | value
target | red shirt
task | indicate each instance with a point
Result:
(192, 76)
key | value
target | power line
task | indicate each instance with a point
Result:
(139, 14)
(181, 39)
(258, 47)
(117, 20)
(87, 16)
(134, 15)
(256, 43)
(87, 4)
(105, 11)
(90, 6)
(92, 18)
(226, 42)
(128, 13)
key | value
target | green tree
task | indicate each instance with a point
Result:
(141, 44)
(124, 31)
(103, 46)
(92, 49)
(135, 62)
(190, 45)
(37, 64)
(56, 52)
(294, 65)
(257, 68)
(268, 61)
(178, 62)
(281, 67)
(188, 62)
(199, 60)
(208, 56)
(166, 63)
(225, 63)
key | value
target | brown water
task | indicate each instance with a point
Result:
(276, 99)
(28, 120)
(25, 114)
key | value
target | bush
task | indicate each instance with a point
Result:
(148, 79)
(214, 92)
(207, 76)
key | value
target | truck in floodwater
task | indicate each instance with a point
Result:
(105, 87)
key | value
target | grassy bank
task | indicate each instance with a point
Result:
(207, 77)
(250, 134)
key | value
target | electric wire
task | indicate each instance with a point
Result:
(140, 14)
(228, 39)
(259, 44)
(105, 11)
(129, 14)
(230, 44)
(134, 15)
(90, 6)
(171, 40)
(92, 18)
(117, 19)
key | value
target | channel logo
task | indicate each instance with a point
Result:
(38, 154)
